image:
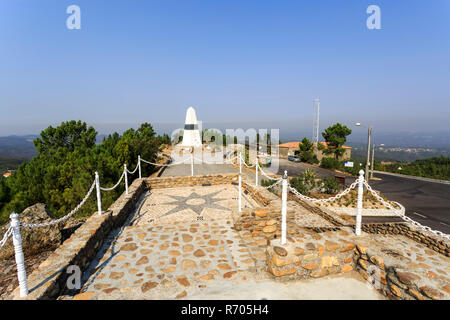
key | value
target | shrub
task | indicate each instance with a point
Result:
(330, 185)
(305, 183)
(331, 163)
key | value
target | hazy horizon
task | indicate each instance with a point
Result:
(234, 62)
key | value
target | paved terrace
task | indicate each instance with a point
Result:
(183, 238)
(180, 243)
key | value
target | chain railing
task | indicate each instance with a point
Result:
(67, 216)
(116, 185)
(6, 236)
(336, 197)
(265, 174)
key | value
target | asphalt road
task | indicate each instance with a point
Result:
(425, 202)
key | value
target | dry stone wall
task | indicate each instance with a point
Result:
(187, 181)
(415, 234)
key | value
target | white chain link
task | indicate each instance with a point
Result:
(338, 196)
(6, 236)
(71, 213)
(268, 187)
(115, 186)
(132, 172)
(264, 174)
(403, 216)
(243, 161)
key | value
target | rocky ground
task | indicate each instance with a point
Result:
(37, 244)
(8, 276)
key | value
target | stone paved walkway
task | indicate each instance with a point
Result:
(176, 237)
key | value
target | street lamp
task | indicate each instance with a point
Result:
(373, 158)
(369, 132)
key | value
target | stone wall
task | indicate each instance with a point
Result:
(48, 281)
(411, 232)
(393, 281)
(311, 258)
(187, 181)
(258, 196)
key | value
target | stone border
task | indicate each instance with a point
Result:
(404, 229)
(49, 280)
(390, 280)
(188, 181)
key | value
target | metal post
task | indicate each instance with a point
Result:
(360, 202)
(192, 164)
(369, 132)
(256, 167)
(99, 197)
(240, 192)
(126, 178)
(373, 157)
(139, 164)
(284, 208)
(20, 261)
(240, 162)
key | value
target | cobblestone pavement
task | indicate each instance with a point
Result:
(161, 206)
(166, 246)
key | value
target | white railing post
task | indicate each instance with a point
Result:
(139, 164)
(126, 178)
(20, 261)
(99, 196)
(192, 164)
(240, 162)
(256, 171)
(360, 202)
(284, 207)
(240, 192)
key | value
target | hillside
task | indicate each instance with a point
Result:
(435, 168)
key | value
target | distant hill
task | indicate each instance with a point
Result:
(18, 147)
(14, 150)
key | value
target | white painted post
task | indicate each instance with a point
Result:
(192, 164)
(126, 178)
(240, 192)
(360, 202)
(240, 162)
(20, 261)
(256, 172)
(99, 196)
(284, 207)
(139, 164)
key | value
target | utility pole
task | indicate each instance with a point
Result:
(369, 132)
(373, 160)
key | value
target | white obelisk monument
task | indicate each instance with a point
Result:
(191, 135)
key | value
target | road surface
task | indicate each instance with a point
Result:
(425, 202)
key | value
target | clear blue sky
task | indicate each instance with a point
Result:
(135, 61)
